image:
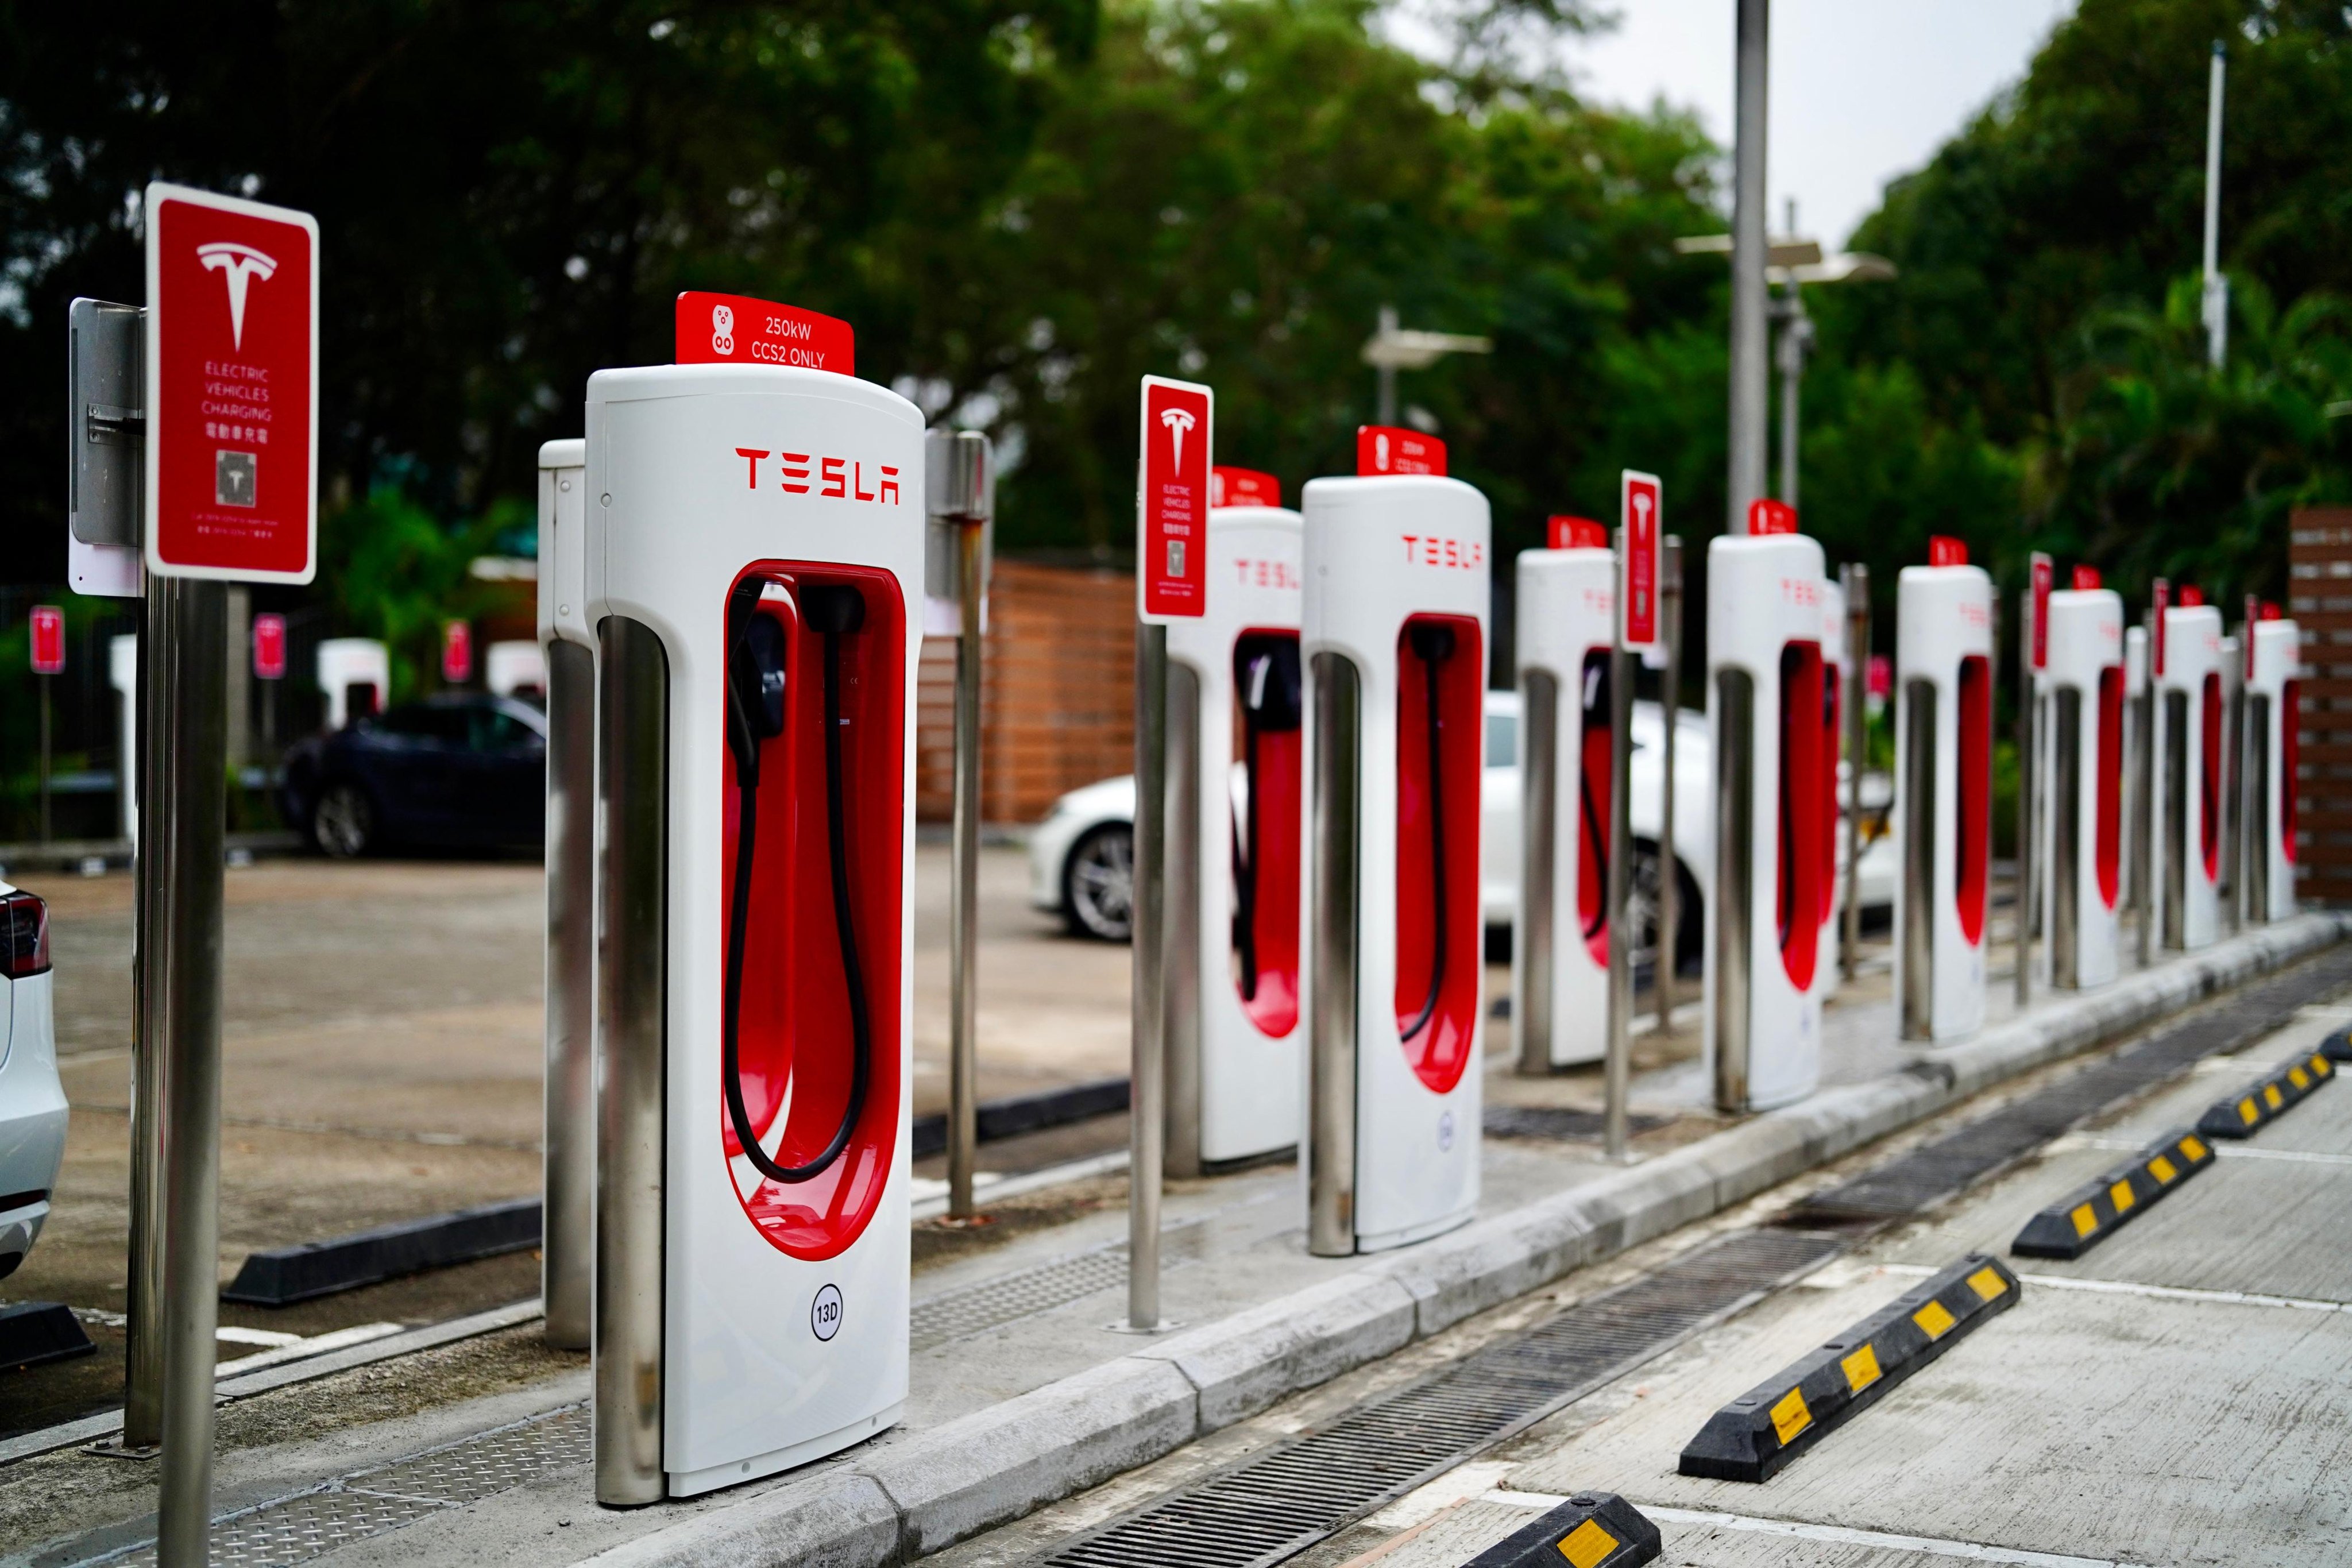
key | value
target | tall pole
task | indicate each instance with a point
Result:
(184, 755)
(1750, 368)
(1620, 878)
(1147, 1116)
(2217, 287)
(1387, 412)
(1855, 579)
(1670, 626)
(963, 1063)
(44, 758)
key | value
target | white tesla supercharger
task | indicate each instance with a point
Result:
(1943, 798)
(1566, 616)
(2081, 849)
(1394, 636)
(567, 653)
(1764, 711)
(355, 673)
(123, 674)
(755, 605)
(2189, 776)
(1836, 672)
(1235, 718)
(2273, 754)
(515, 669)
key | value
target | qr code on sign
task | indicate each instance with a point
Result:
(233, 477)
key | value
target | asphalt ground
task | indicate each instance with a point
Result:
(2180, 1395)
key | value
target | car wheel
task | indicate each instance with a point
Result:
(342, 824)
(1099, 883)
(1690, 917)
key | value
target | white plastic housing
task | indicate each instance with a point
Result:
(1567, 605)
(749, 1388)
(1378, 551)
(2086, 640)
(2192, 652)
(1943, 615)
(1250, 1080)
(346, 662)
(511, 666)
(1764, 594)
(2278, 656)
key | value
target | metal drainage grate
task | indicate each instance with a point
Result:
(351, 1508)
(1278, 1503)
(1914, 1181)
(975, 1308)
(1556, 1124)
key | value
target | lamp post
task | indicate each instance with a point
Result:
(1393, 348)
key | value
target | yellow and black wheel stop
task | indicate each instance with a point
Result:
(2091, 1213)
(2263, 1102)
(1590, 1529)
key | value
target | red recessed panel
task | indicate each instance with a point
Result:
(1593, 797)
(1797, 860)
(1440, 1049)
(2209, 780)
(1972, 869)
(2289, 723)
(2107, 830)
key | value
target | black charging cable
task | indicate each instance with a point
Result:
(1433, 645)
(1596, 691)
(755, 714)
(1267, 674)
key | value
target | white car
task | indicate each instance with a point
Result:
(32, 1100)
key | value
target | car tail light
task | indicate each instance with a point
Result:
(24, 936)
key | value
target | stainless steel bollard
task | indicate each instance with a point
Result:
(1670, 629)
(1334, 931)
(1148, 1113)
(1734, 848)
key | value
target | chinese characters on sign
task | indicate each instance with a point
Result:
(1172, 511)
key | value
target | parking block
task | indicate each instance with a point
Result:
(2337, 1047)
(2091, 1213)
(1590, 1529)
(2261, 1102)
(1753, 1436)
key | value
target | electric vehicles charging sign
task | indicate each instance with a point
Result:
(269, 648)
(1386, 449)
(1171, 505)
(2040, 572)
(2161, 598)
(49, 641)
(232, 388)
(1640, 498)
(734, 329)
(1242, 486)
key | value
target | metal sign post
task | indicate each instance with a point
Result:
(2032, 654)
(1670, 615)
(222, 488)
(1171, 581)
(1638, 575)
(1853, 578)
(960, 490)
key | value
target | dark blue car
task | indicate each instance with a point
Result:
(461, 771)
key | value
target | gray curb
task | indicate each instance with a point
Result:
(903, 1499)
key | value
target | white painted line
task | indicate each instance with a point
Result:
(2235, 1152)
(1032, 1182)
(299, 1349)
(230, 1335)
(1928, 1545)
(2154, 1292)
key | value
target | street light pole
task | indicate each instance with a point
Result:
(2217, 286)
(1751, 389)
(1386, 412)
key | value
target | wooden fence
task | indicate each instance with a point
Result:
(2319, 568)
(1057, 706)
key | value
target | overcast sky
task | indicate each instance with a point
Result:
(1862, 90)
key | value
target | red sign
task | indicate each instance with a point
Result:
(49, 641)
(1575, 533)
(1386, 449)
(269, 648)
(2040, 572)
(2086, 578)
(1171, 510)
(1242, 486)
(2191, 596)
(2271, 611)
(1771, 517)
(2160, 592)
(1882, 676)
(1640, 501)
(232, 388)
(457, 652)
(2246, 633)
(733, 329)
(1943, 549)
